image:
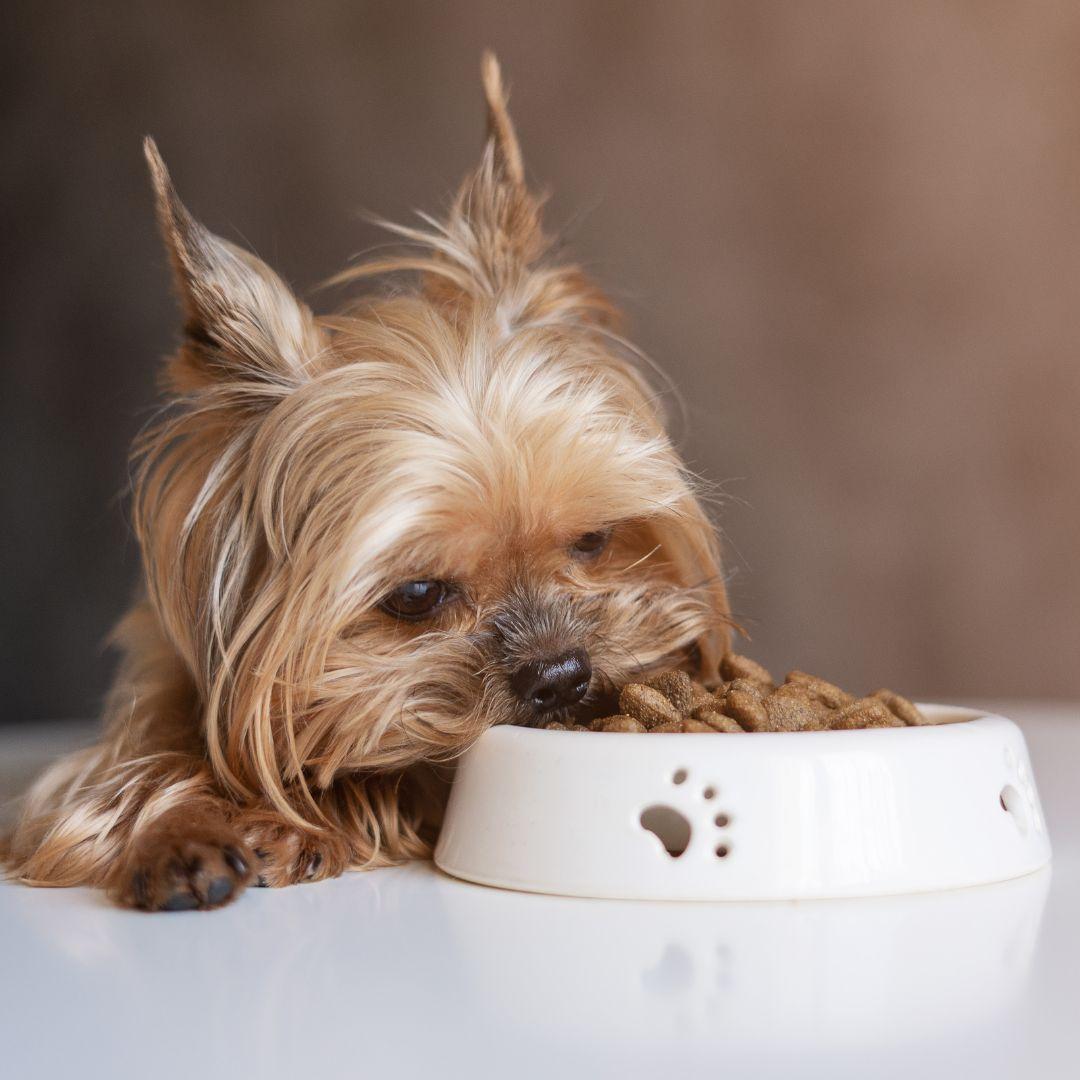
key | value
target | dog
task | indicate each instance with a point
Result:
(365, 539)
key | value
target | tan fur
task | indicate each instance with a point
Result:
(268, 718)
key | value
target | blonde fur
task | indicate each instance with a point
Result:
(467, 430)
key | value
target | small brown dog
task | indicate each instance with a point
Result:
(365, 539)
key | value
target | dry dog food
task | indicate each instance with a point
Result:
(748, 699)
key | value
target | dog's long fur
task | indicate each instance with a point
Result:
(268, 718)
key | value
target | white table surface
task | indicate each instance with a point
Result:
(406, 972)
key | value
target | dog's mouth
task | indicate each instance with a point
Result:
(602, 698)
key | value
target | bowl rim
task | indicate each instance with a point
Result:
(958, 716)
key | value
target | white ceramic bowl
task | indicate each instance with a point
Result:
(747, 817)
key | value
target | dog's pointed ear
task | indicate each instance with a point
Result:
(241, 321)
(495, 214)
(492, 246)
(490, 251)
(502, 139)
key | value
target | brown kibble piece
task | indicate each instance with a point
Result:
(708, 702)
(647, 706)
(672, 727)
(733, 666)
(747, 686)
(864, 713)
(829, 695)
(676, 687)
(713, 702)
(692, 725)
(745, 703)
(792, 708)
(701, 698)
(618, 723)
(900, 707)
(717, 721)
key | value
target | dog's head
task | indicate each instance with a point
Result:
(372, 536)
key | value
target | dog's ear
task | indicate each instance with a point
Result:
(490, 250)
(241, 321)
(501, 138)
(492, 245)
(495, 200)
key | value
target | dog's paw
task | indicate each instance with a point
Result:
(173, 868)
(285, 856)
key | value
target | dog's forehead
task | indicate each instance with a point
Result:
(502, 447)
(519, 491)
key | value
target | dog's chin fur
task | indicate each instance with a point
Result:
(466, 431)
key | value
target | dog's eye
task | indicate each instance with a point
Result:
(415, 599)
(590, 544)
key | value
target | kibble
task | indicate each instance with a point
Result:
(698, 726)
(864, 713)
(672, 727)
(620, 722)
(648, 705)
(677, 687)
(744, 702)
(745, 698)
(734, 667)
(715, 720)
(901, 708)
(792, 707)
(819, 690)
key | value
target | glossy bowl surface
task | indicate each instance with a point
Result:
(747, 817)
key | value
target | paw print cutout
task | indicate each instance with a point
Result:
(1018, 797)
(674, 825)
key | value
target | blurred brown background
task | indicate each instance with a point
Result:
(849, 231)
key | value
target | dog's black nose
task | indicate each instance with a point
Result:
(555, 682)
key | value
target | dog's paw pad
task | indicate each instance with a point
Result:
(170, 871)
(181, 901)
(219, 890)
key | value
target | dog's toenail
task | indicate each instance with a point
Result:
(237, 862)
(218, 890)
(181, 902)
(316, 862)
(261, 882)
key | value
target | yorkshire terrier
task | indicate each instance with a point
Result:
(365, 539)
